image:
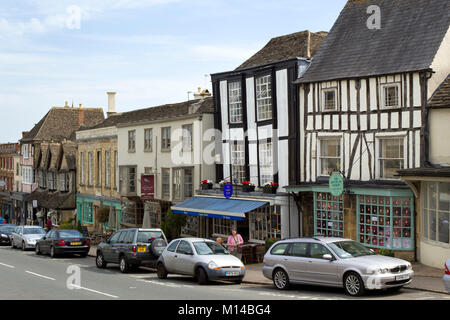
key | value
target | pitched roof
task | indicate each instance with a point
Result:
(300, 44)
(163, 112)
(411, 33)
(60, 123)
(441, 97)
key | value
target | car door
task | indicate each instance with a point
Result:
(16, 236)
(320, 270)
(107, 247)
(45, 243)
(169, 256)
(296, 261)
(117, 247)
(184, 258)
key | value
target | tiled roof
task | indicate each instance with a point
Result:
(441, 97)
(411, 33)
(163, 112)
(300, 44)
(60, 123)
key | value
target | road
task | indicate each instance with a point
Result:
(26, 276)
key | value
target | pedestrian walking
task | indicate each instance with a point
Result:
(235, 243)
(49, 224)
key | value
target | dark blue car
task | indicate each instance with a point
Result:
(5, 233)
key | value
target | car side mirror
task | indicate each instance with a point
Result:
(44, 238)
(327, 257)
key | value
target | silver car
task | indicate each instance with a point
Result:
(335, 262)
(446, 277)
(25, 237)
(201, 258)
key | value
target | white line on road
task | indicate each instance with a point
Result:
(40, 275)
(7, 265)
(95, 291)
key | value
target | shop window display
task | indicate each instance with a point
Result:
(328, 215)
(385, 222)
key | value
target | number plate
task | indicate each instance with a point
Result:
(75, 243)
(142, 248)
(232, 273)
(402, 277)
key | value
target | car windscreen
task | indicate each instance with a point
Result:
(7, 228)
(33, 231)
(209, 248)
(69, 234)
(349, 249)
(147, 236)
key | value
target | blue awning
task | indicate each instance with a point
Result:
(229, 209)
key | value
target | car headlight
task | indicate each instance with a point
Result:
(4, 236)
(213, 266)
(380, 271)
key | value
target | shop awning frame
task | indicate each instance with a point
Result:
(228, 209)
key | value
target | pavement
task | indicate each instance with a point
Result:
(425, 278)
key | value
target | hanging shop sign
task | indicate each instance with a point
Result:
(336, 184)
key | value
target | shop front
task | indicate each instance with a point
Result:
(99, 214)
(431, 188)
(6, 205)
(381, 218)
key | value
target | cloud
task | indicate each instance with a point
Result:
(221, 52)
(17, 29)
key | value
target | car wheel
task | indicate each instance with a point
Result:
(281, 279)
(353, 284)
(52, 252)
(161, 271)
(123, 265)
(12, 244)
(23, 246)
(202, 277)
(100, 261)
(37, 249)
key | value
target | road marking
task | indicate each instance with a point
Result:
(7, 265)
(40, 275)
(94, 291)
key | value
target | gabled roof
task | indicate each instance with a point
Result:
(441, 97)
(300, 44)
(411, 33)
(163, 112)
(60, 123)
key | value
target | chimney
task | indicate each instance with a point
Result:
(66, 105)
(202, 94)
(111, 103)
(80, 117)
(80, 106)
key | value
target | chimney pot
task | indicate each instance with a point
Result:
(111, 103)
(66, 104)
(81, 105)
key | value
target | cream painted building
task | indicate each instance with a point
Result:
(172, 148)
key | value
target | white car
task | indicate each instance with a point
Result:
(25, 237)
(201, 258)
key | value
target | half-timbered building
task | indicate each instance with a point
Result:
(255, 112)
(362, 113)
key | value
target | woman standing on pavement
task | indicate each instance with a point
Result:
(235, 243)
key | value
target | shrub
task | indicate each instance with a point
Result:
(385, 252)
(270, 242)
(173, 224)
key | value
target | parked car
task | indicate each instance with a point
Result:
(335, 262)
(131, 248)
(201, 258)
(446, 277)
(58, 242)
(5, 233)
(25, 237)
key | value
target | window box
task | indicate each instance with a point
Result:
(270, 188)
(247, 186)
(206, 185)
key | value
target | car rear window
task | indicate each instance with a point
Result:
(279, 249)
(147, 236)
(69, 234)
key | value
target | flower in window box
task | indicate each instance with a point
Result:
(223, 183)
(207, 184)
(247, 186)
(270, 187)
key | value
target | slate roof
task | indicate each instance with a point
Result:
(410, 35)
(61, 122)
(441, 97)
(162, 112)
(53, 200)
(300, 44)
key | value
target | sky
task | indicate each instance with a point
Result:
(150, 52)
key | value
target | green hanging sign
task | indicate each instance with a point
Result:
(336, 184)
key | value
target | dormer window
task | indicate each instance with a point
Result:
(391, 94)
(329, 99)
